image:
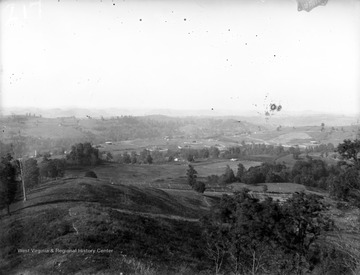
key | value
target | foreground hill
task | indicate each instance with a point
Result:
(88, 225)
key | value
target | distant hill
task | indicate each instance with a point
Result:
(285, 118)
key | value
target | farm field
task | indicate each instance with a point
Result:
(303, 135)
(161, 174)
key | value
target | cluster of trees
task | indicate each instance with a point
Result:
(253, 149)
(191, 174)
(14, 171)
(145, 157)
(83, 154)
(227, 177)
(33, 172)
(157, 156)
(192, 154)
(242, 151)
(266, 172)
(245, 236)
(19, 145)
(52, 168)
(341, 180)
(321, 148)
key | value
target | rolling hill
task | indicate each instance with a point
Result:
(89, 226)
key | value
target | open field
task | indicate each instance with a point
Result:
(159, 175)
(303, 135)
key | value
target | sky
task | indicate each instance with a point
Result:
(205, 54)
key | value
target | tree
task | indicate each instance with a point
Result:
(109, 156)
(8, 184)
(216, 241)
(240, 172)
(350, 150)
(295, 152)
(254, 175)
(31, 173)
(199, 187)
(273, 177)
(191, 174)
(149, 159)
(228, 176)
(52, 168)
(84, 154)
(60, 165)
(214, 152)
(126, 158)
(133, 157)
(144, 155)
(345, 185)
(157, 156)
(303, 222)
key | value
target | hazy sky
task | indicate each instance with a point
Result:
(180, 54)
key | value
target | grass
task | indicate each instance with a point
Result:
(159, 175)
(283, 187)
(79, 214)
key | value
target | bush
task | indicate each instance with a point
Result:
(199, 187)
(90, 174)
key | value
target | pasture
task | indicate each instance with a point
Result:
(172, 175)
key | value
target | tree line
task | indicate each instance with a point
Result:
(31, 173)
(341, 180)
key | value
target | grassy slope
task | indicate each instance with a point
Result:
(80, 214)
(159, 175)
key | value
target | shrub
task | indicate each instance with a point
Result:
(90, 174)
(199, 187)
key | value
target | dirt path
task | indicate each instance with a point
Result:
(153, 215)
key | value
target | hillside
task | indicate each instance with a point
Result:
(90, 226)
(122, 224)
